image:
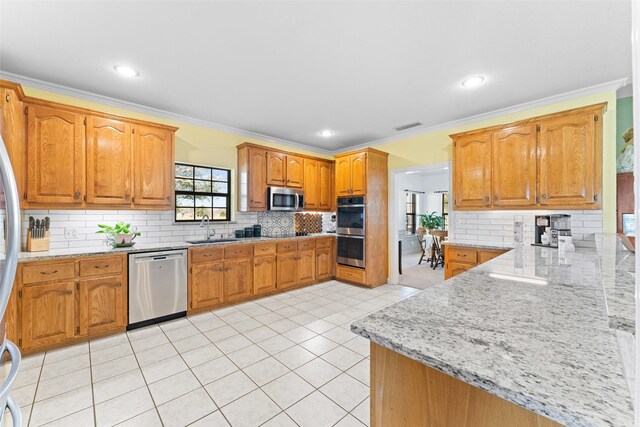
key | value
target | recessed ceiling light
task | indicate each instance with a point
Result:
(327, 133)
(126, 71)
(473, 81)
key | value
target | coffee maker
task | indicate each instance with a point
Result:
(549, 227)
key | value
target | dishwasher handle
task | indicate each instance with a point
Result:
(153, 258)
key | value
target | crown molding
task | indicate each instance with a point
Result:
(566, 96)
(102, 99)
(132, 106)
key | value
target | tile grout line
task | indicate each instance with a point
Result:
(146, 384)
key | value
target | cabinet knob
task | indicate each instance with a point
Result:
(76, 195)
(6, 97)
(168, 198)
(486, 198)
(544, 196)
(127, 197)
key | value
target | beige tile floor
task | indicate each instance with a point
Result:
(284, 360)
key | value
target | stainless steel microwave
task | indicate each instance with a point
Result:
(285, 199)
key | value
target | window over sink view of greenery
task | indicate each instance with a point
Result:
(200, 191)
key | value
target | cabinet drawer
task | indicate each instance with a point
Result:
(238, 251)
(323, 243)
(264, 249)
(462, 254)
(200, 255)
(306, 244)
(289, 246)
(33, 273)
(101, 266)
(484, 255)
(351, 274)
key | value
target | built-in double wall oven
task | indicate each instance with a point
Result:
(351, 231)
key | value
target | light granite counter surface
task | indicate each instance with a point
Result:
(481, 245)
(530, 326)
(144, 247)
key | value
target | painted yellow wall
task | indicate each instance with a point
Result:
(201, 145)
(435, 147)
(194, 144)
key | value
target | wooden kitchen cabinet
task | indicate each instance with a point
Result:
(324, 263)
(108, 161)
(458, 259)
(306, 267)
(326, 194)
(276, 169)
(295, 171)
(261, 167)
(47, 314)
(311, 184)
(85, 159)
(548, 162)
(318, 185)
(153, 174)
(65, 301)
(206, 285)
(257, 178)
(570, 160)
(351, 174)
(102, 305)
(514, 168)
(284, 170)
(238, 279)
(12, 130)
(264, 274)
(56, 153)
(472, 171)
(287, 266)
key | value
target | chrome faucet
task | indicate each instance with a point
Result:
(208, 234)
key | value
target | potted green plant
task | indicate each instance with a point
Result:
(122, 234)
(430, 222)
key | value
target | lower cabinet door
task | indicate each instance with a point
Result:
(47, 314)
(206, 285)
(454, 268)
(264, 274)
(238, 283)
(324, 268)
(102, 305)
(306, 267)
(287, 270)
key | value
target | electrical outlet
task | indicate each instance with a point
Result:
(71, 233)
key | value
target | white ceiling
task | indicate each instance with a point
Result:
(289, 69)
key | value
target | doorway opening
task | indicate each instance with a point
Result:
(416, 255)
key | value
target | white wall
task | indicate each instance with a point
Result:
(497, 226)
(426, 182)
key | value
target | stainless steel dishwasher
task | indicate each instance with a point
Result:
(157, 287)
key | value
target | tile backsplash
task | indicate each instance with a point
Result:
(497, 226)
(155, 226)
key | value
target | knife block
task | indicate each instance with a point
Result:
(38, 245)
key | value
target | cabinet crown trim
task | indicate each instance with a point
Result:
(599, 108)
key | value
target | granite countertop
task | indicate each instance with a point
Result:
(481, 245)
(618, 271)
(530, 326)
(146, 247)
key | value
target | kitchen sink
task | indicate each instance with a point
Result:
(203, 241)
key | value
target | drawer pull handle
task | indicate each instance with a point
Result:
(101, 266)
(49, 272)
(68, 292)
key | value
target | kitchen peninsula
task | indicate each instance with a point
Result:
(525, 339)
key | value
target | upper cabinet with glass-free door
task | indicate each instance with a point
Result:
(548, 162)
(67, 157)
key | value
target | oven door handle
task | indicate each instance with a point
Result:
(350, 236)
